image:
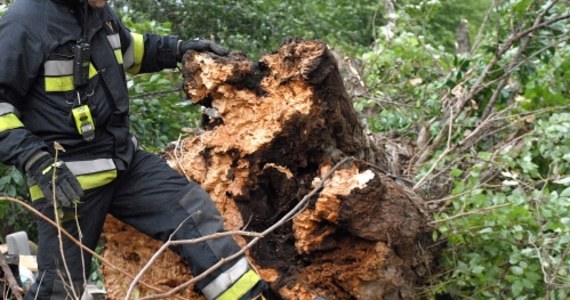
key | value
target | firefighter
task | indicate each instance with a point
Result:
(62, 82)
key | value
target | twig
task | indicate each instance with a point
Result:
(80, 234)
(514, 67)
(541, 260)
(16, 290)
(448, 149)
(76, 242)
(479, 36)
(178, 159)
(282, 221)
(522, 47)
(473, 212)
(483, 130)
(561, 260)
(57, 218)
(150, 94)
(480, 85)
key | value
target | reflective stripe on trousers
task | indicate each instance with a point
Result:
(232, 282)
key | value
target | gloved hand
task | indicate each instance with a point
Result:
(200, 45)
(41, 170)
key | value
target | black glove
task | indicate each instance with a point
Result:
(200, 45)
(41, 170)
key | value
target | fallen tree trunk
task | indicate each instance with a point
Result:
(273, 128)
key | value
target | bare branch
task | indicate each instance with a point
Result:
(524, 36)
(473, 212)
(480, 84)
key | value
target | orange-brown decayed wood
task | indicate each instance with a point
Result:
(278, 126)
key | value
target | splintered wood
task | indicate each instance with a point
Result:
(272, 129)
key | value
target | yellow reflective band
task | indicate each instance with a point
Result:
(96, 180)
(241, 287)
(59, 84)
(87, 182)
(92, 71)
(65, 83)
(36, 193)
(10, 121)
(119, 56)
(138, 52)
(46, 170)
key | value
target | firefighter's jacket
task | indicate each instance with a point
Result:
(37, 92)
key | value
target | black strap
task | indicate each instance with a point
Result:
(84, 29)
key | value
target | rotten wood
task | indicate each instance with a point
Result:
(272, 129)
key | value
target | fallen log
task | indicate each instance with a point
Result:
(272, 129)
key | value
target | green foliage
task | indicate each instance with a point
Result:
(506, 224)
(405, 71)
(159, 109)
(256, 26)
(158, 113)
(509, 251)
(437, 20)
(14, 218)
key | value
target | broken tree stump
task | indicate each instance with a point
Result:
(273, 128)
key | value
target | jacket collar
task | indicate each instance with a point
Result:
(94, 16)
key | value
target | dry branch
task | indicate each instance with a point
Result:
(524, 36)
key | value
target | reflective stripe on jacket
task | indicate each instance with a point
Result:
(37, 92)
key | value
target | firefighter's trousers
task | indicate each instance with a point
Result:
(157, 201)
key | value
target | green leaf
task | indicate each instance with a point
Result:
(517, 288)
(563, 181)
(455, 172)
(434, 235)
(517, 270)
(565, 192)
(478, 269)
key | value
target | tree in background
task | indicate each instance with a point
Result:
(490, 133)
(256, 26)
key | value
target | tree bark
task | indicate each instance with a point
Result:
(273, 128)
